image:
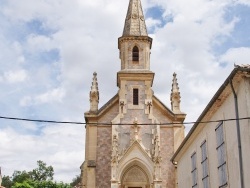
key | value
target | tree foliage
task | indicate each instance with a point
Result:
(7, 182)
(42, 172)
(20, 177)
(76, 181)
(41, 184)
(40, 177)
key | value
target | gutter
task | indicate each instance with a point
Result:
(238, 135)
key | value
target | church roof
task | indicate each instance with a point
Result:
(115, 99)
(135, 21)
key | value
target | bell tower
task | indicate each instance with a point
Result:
(135, 44)
(135, 78)
(131, 139)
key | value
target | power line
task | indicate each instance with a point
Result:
(99, 123)
(41, 121)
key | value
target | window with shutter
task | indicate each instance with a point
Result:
(194, 171)
(204, 163)
(221, 154)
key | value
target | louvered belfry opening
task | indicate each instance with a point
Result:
(135, 54)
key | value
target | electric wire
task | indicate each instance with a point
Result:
(102, 123)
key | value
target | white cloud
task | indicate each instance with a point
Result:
(60, 148)
(40, 43)
(244, 2)
(236, 55)
(185, 46)
(15, 76)
(152, 23)
(55, 95)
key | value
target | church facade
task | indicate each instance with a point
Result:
(131, 139)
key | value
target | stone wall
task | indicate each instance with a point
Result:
(103, 161)
(167, 151)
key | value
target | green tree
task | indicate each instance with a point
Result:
(7, 181)
(76, 181)
(40, 177)
(42, 172)
(41, 184)
(24, 184)
(19, 177)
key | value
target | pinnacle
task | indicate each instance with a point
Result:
(94, 86)
(175, 87)
(175, 95)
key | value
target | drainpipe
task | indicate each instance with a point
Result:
(238, 135)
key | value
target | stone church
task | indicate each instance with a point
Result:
(131, 139)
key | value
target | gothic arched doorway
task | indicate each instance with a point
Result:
(135, 177)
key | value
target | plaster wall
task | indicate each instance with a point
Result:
(207, 132)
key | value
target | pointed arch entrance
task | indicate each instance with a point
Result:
(135, 177)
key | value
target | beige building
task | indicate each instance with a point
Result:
(131, 139)
(216, 154)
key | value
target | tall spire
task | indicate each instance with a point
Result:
(94, 94)
(175, 96)
(135, 21)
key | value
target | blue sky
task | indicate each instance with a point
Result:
(50, 49)
(239, 36)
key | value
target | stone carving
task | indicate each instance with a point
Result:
(149, 105)
(134, 16)
(157, 170)
(157, 158)
(135, 175)
(115, 157)
(115, 148)
(136, 128)
(122, 104)
(156, 151)
(128, 17)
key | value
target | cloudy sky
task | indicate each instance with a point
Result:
(49, 50)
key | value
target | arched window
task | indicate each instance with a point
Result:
(135, 54)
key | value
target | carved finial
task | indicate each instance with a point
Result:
(175, 95)
(94, 94)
